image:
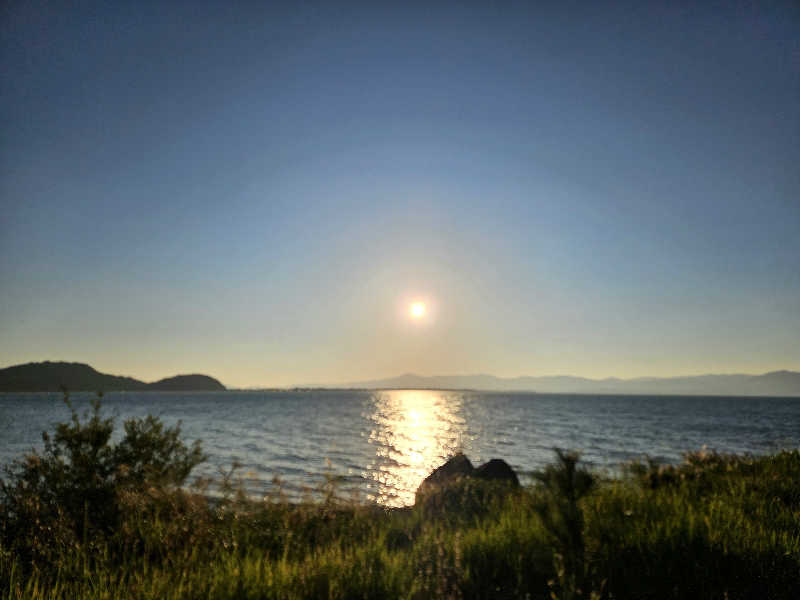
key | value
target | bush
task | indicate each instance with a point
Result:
(564, 484)
(70, 494)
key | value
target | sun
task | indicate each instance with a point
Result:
(417, 310)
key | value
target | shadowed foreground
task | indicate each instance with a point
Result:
(88, 518)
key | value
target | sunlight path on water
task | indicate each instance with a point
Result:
(413, 432)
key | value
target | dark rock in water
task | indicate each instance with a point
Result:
(454, 477)
(455, 468)
(497, 470)
(458, 466)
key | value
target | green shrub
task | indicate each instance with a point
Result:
(564, 483)
(71, 494)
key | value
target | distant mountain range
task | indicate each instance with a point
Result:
(775, 383)
(52, 376)
(79, 377)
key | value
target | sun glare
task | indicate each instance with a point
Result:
(417, 310)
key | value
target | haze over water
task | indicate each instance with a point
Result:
(382, 444)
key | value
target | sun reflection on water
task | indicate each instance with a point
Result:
(413, 431)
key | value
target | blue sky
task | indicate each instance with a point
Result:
(258, 193)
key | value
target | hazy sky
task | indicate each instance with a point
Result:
(258, 194)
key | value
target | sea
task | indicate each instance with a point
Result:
(377, 446)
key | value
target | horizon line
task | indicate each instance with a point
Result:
(355, 383)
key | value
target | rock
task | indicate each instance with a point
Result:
(458, 469)
(455, 468)
(458, 466)
(497, 470)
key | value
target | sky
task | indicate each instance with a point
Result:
(259, 191)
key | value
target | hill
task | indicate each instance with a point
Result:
(78, 377)
(187, 383)
(775, 383)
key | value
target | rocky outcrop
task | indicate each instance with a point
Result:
(455, 467)
(459, 468)
(497, 470)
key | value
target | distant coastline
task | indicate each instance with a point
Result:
(775, 383)
(79, 377)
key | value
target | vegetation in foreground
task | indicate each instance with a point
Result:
(89, 518)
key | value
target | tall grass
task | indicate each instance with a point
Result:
(716, 526)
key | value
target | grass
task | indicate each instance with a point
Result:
(716, 526)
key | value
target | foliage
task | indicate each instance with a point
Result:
(564, 484)
(73, 494)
